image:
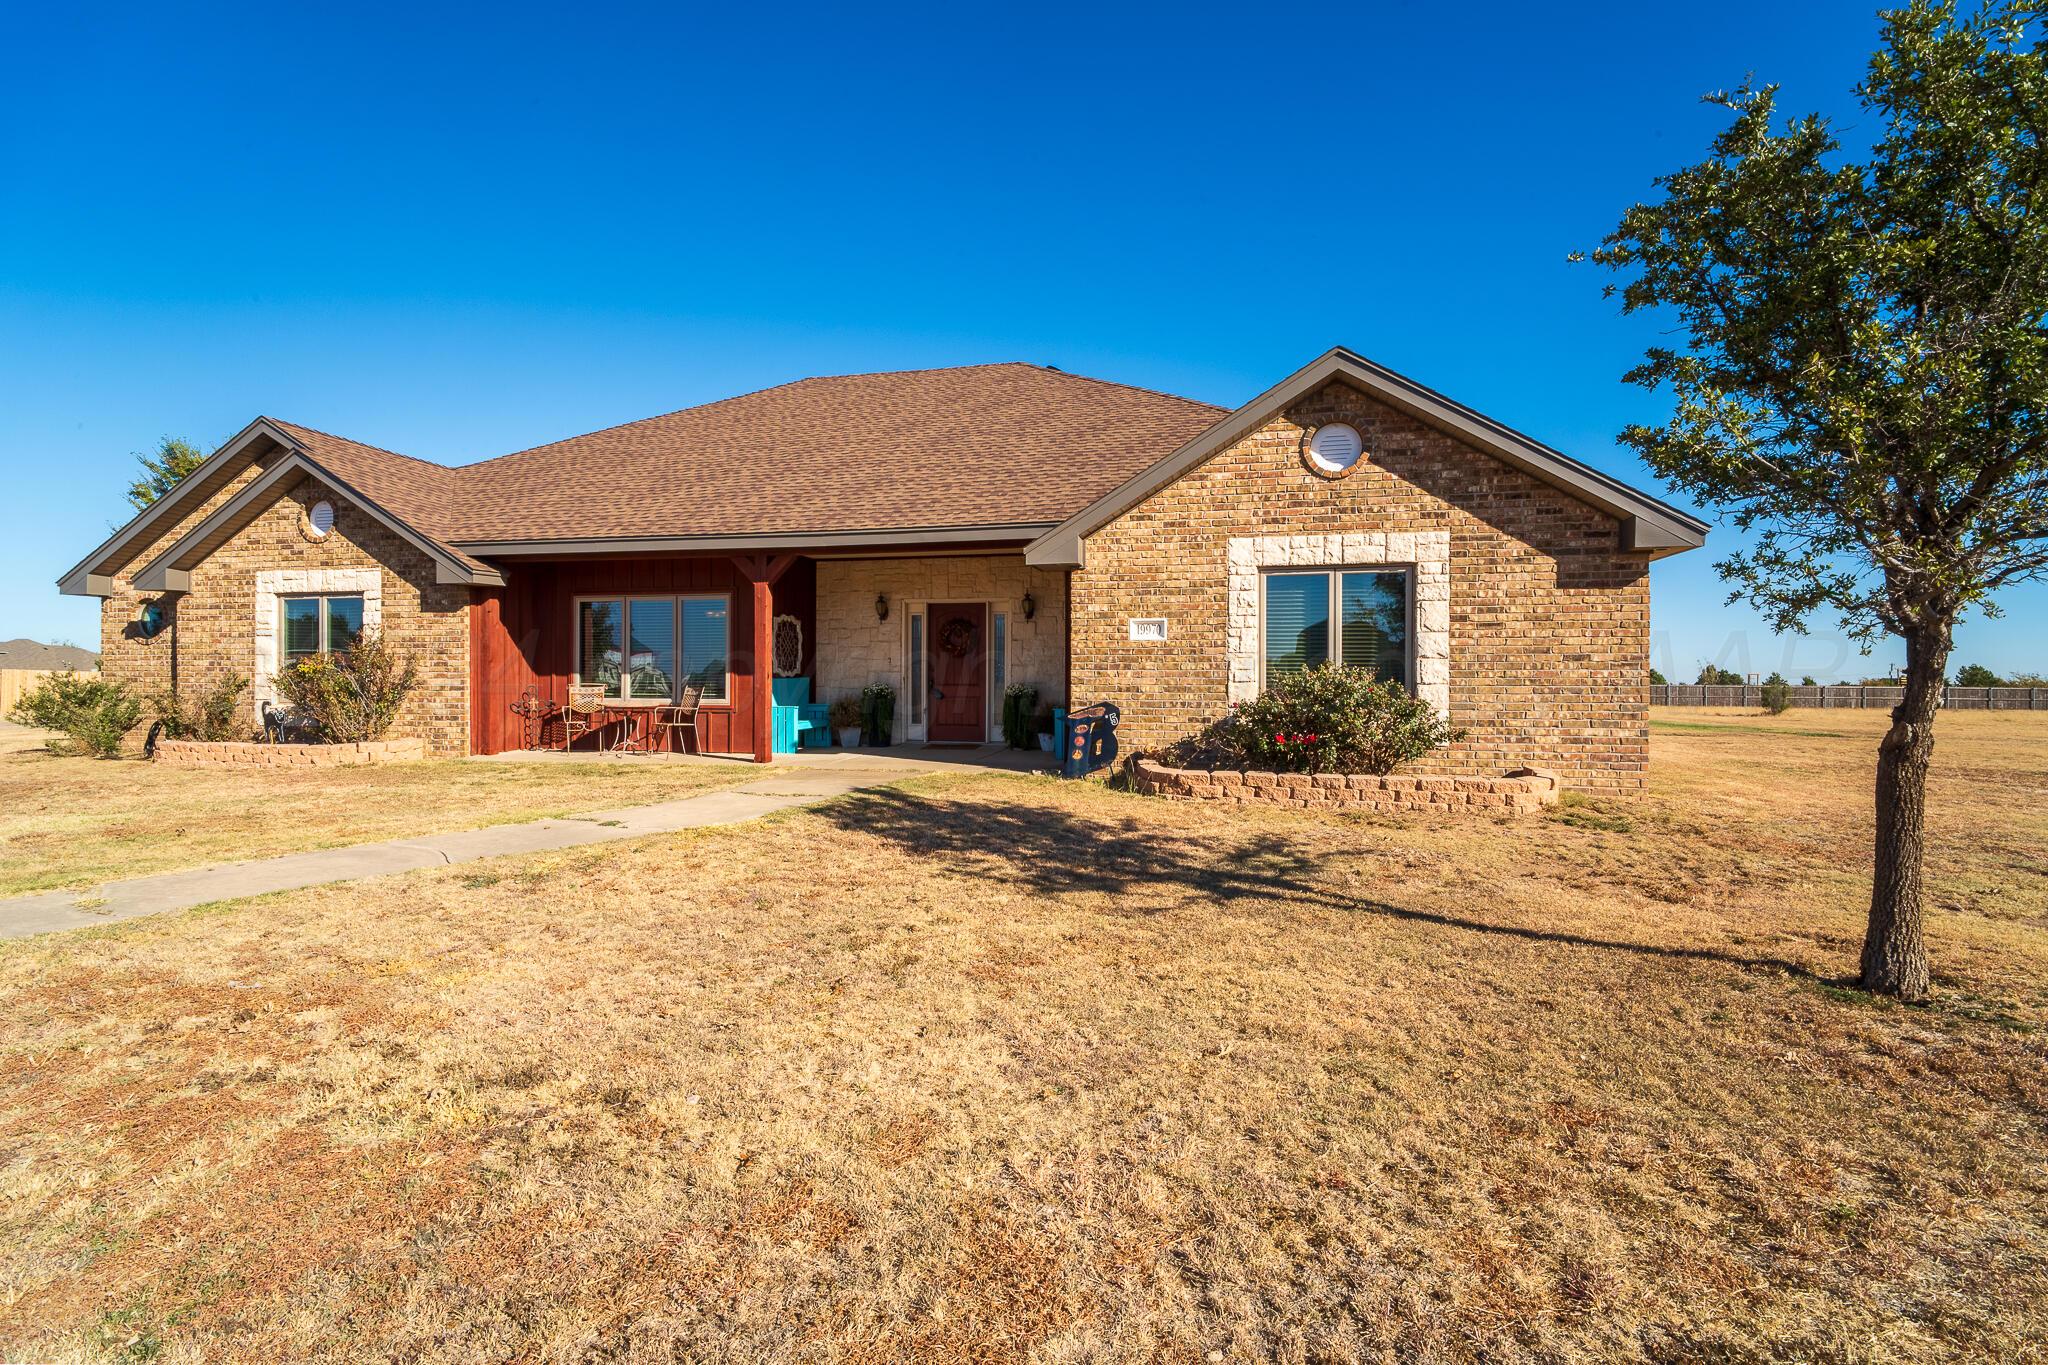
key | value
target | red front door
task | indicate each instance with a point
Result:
(959, 654)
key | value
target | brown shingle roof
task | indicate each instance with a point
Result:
(34, 654)
(978, 445)
(422, 495)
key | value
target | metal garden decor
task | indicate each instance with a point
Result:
(789, 647)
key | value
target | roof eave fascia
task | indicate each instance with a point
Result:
(83, 579)
(168, 573)
(1648, 524)
(786, 540)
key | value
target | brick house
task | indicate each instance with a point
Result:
(944, 531)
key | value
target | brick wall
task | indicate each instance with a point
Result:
(213, 627)
(1523, 793)
(1549, 620)
(855, 649)
(148, 665)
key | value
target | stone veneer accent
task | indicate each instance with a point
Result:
(854, 649)
(192, 753)
(1428, 553)
(1522, 793)
(214, 630)
(272, 584)
(1548, 616)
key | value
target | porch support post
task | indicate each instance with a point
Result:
(762, 572)
(764, 671)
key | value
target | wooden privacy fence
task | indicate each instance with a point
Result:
(14, 682)
(1851, 695)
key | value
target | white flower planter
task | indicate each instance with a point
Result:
(849, 738)
(1045, 742)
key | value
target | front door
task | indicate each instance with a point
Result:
(959, 657)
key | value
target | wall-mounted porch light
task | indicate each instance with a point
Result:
(1030, 606)
(881, 606)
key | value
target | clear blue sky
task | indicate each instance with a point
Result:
(461, 233)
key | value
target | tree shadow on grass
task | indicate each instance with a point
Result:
(1047, 851)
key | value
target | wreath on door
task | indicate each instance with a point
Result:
(956, 637)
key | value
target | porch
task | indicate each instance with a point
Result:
(949, 631)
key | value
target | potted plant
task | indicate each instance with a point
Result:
(844, 717)
(1020, 701)
(1042, 724)
(878, 714)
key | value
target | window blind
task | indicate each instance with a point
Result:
(1297, 622)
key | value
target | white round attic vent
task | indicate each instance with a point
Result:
(1335, 448)
(321, 518)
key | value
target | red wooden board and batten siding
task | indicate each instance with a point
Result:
(959, 692)
(524, 634)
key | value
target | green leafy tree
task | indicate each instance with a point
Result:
(172, 460)
(1863, 372)
(1713, 675)
(1657, 679)
(1976, 675)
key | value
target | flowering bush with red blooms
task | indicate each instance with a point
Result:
(1327, 719)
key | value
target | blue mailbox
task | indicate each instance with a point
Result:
(1090, 741)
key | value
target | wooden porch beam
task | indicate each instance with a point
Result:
(763, 568)
(764, 669)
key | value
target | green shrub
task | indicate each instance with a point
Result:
(878, 714)
(92, 713)
(1332, 719)
(1777, 697)
(1020, 704)
(352, 696)
(210, 716)
(1977, 675)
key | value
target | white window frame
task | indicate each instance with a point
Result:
(285, 656)
(1334, 574)
(675, 601)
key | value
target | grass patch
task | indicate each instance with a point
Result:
(996, 1069)
(68, 822)
(1666, 725)
(1581, 812)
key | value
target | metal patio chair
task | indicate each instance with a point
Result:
(585, 713)
(670, 719)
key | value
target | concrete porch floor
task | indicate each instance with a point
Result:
(915, 757)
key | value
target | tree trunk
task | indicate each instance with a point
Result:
(1895, 944)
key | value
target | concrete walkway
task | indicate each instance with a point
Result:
(72, 909)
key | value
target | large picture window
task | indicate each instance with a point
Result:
(1369, 606)
(650, 648)
(319, 625)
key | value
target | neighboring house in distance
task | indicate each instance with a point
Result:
(944, 531)
(37, 657)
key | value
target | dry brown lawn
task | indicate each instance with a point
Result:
(76, 821)
(994, 1068)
